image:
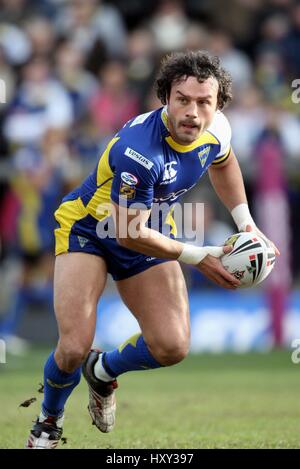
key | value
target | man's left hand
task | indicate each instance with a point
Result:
(256, 230)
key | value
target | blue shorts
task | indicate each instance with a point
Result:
(77, 232)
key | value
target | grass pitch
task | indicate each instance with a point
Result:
(207, 401)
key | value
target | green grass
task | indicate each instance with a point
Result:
(208, 401)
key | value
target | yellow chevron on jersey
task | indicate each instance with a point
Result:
(143, 164)
(99, 204)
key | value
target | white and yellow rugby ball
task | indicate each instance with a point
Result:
(251, 260)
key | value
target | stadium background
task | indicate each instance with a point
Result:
(73, 73)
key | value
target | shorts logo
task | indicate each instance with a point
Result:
(129, 179)
(82, 241)
(126, 191)
(134, 155)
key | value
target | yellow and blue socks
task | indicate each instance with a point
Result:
(132, 355)
(58, 386)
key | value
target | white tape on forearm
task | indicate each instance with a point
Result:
(242, 216)
(195, 254)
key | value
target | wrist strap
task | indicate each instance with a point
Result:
(242, 216)
(195, 254)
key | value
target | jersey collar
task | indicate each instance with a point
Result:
(205, 138)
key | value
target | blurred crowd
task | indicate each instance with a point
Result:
(72, 72)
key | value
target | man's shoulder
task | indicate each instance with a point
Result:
(142, 135)
(220, 127)
(144, 127)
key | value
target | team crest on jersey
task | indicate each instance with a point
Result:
(126, 191)
(203, 155)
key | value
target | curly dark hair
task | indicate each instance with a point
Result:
(200, 64)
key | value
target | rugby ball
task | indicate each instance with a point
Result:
(251, 260)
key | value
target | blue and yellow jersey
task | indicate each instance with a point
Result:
(143, 163)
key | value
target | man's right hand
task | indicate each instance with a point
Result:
(213, 269)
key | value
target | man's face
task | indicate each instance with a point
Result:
(191, 108)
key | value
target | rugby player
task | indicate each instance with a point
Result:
(156, 157)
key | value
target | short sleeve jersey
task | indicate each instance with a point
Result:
(143, 164)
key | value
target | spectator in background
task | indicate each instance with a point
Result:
(142, 60)
(14, 11)
(246, 117)
(42, 174)
(197, 37)
(86, 21)
(169, 25)
(9, 78)
(77, 81)
(291, 42)
(287, 125)
(40, 103)
(273, 30)
(14, 43)
(24, 29)
(232, 59)
(113, 104)
(237, 17)
(270, 76)
(41, 34)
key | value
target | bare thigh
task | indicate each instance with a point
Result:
(79, 280)
(158, 299)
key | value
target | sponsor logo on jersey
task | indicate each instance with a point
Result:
(126, 191)
(174, 195)
(141, 159)
(203, 155)
(170, 173)
(129, 179)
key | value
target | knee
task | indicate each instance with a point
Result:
(70, 354)
(169, 352)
